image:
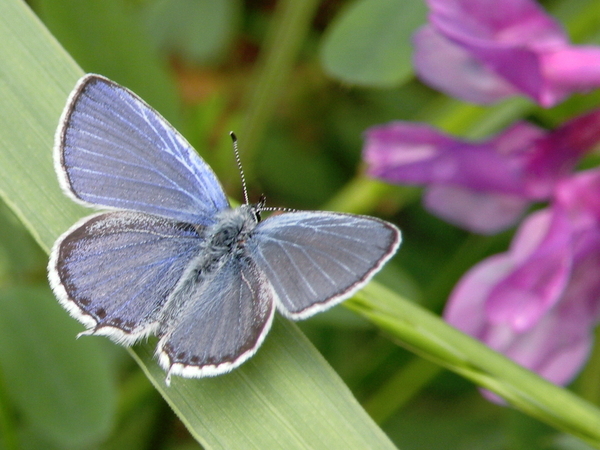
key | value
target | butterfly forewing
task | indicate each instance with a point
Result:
(114, 150)
(219, 322)
(316, 259)
(114, 271)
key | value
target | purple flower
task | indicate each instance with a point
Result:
(539, 302)
(481, 186)
(485, 50)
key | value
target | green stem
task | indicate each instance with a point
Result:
(291, 23)
(470, 252)
(363, 195)
(403, 386)
(588, 386)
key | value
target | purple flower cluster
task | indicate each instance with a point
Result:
(486, 186)
(539, 302)
(485, 50)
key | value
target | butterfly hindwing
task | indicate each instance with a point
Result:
(114, 150)
(317, 259)
(219, 322)
(114, 271)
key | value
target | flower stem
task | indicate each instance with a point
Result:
(291, 23)
(587, 385)
(403, 386)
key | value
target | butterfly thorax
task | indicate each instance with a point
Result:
(228, 235)
(222, 240)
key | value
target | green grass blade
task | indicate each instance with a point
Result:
(285, 397)
(429, 336)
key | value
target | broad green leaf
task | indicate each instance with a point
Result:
(286, 396)
(61, 386)
(198, 31)
(369, 43)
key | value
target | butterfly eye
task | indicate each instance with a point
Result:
(262, 201)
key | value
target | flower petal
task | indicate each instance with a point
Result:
(466, 307)
(580, 196)
(442, 64)
(568, 70)
(419, 154)
(513, 45)
(508, 22)
(476, 211)
(558, 345)
(555, 348)
(555, 155)
(536, 284)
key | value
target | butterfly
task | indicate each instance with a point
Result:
(170, 257)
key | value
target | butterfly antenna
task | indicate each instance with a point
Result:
(239, 164)
(278, 208)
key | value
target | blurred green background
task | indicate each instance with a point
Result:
(299, 82)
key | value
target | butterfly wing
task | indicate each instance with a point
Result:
(112, 149)
(114, 271)
(315, 260)
(226, 318)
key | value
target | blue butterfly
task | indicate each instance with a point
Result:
(170, 257)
